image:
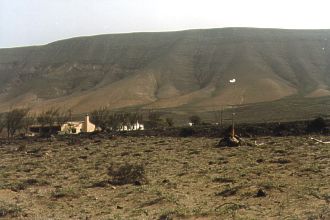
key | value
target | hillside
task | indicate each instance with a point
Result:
(168, 70)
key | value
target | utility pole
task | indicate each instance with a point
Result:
(233, 81)
(233, 125)
(70, 115)
(221, 117)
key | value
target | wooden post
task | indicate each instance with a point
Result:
(233, 125)
(221, 117)
(70, 115)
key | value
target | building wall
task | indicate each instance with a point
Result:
(72, 127)
(87, 125)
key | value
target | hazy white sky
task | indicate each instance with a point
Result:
(35, 22)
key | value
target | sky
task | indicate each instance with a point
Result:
(38, 22)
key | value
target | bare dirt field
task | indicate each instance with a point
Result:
(165, 178)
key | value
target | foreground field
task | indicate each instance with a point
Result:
(185, 178)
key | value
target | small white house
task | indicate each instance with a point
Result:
(71, 127)
(76, 127)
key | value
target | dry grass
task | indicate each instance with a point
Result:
(187, 178)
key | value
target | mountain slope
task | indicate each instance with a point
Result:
(163, 70)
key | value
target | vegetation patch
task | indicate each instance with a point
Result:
(281, 161)
(167, 215)
(228, 192)
(69, 192)
(187, 132)
(26, 183)
(229, 207)
(102, 183)
(127, 174)
(9, 210)
(317, 125)
(223, 180)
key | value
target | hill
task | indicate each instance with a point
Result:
(185, 69)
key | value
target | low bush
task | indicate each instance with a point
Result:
(65, 192)
(317, 125)
(9, 210)
(127, 174)
(187, 132)
(22, 185)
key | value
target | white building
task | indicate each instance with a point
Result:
(72, 127)
(75, 127)
(134, 127)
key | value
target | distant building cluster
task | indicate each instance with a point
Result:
(134, 127)
(76, 127)
(70, 127)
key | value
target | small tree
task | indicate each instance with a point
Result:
(14, 119)
(170, 122)
(28, 120)
(135, 117)
(127, 174)
(48, 118)
(114, 121)
(51, 118)
(62, 117)
(195, 120)
(154, 121)
(125, 119)
(317, 125)
(101, 117)
(2, 123)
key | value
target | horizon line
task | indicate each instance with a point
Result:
(165, 31)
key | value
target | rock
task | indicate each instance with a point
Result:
(137, 183)
(260, 160)
(229, 142)
(165, 181)
(261, 193)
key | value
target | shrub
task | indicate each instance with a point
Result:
(50, 119)
(65, 192)
(317, 125)
(281, 129)
(154, 121)
(187, 132)
(228, 192)
(170, 122)
(2, 123)
(13, 120)
(7, 209)
(195, 120)
(228, 131)
(127, 174)
(22, 185)
(100, 117)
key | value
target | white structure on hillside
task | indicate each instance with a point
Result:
(134, 127)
